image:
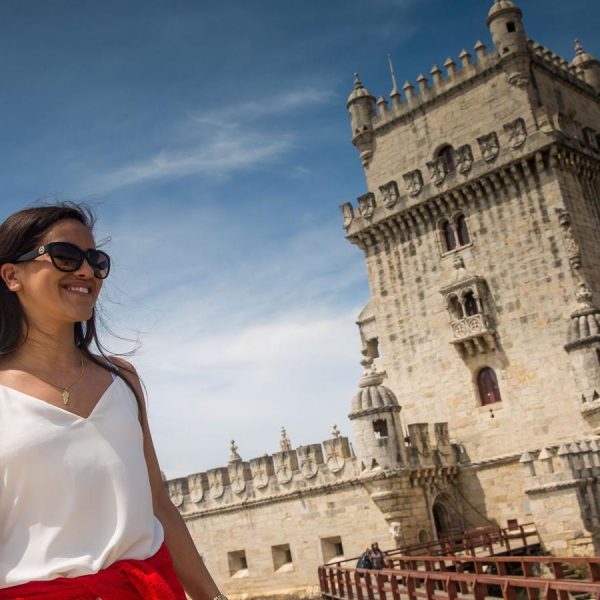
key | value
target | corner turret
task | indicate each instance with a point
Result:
(588, 66)
(505, 21)
(376, 424)
(583, 346)
(361, 105)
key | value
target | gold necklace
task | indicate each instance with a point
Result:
(66, 393)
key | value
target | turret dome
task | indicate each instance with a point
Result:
(372, 395)
(501, 6)
(584, 327)
(359, 91)
(582, 57)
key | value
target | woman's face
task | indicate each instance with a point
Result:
(49, 295)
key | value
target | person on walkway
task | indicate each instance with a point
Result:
(377, 557)
(364, 561)
(84, 513)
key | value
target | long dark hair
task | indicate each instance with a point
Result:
(20, 233)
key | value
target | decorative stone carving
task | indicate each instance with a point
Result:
(419, 438)
(390, 194)
(285, 465)
(490, 147)
(571, 245)
(262, 469)
(310, 457)
(336, 451)
(517, 132)
(464, 159)
(437, 170)
(347, 214)
(366, 205)
(234, 457)
(284, 441)
(217, 480)
(176, 491)
(414, 182)
(197, 484)
(239, 473)
(471, 331)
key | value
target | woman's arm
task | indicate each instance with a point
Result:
(188, 563)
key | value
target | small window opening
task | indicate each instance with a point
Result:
(487, 383)
(510, 27)
(332, 549)
(282, 558)
(462, 230)
(238, 565)
(373, 348)
(471, 307)
(447, 155)
(423, 536)
(598, 355)
(449, 237)
(380, 428)
(374, 464)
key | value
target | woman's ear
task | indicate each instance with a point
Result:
(9, 275)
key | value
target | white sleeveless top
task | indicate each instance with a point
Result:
(74, 493)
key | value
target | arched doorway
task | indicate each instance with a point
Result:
(446, 519)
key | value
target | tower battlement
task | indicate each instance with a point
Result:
(305, 470)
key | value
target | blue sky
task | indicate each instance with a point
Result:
(214, 142)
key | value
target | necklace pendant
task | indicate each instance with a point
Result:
(65, 397)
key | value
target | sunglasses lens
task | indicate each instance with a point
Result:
(100, 262)
(66, 257)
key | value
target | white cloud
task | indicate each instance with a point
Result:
(218, 142)
(237, 352)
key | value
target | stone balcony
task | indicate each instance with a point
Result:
(473, 335)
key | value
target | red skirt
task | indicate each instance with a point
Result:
(150, 579)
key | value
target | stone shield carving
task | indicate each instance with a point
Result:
(309, 458)
(196, 486)
(464, 159)
(437, 170)
(347, 214)
(489, 145)
(390, 194)
(284, 467)
(216, 482)
(366, 205)
(414, 182)
(261, 469)
(237, 477)
(517, 132)
(176, 492)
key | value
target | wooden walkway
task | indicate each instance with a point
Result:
(480, 564)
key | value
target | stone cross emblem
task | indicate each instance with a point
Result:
(390, 194)
(366, 205)
(347, 214)
(517, 132)
(437, 170)
(489, 145)
(464, 159)
(414, 182)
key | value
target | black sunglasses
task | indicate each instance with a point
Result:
(69, 257)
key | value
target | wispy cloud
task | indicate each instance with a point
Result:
(217, 156)
(218, 141)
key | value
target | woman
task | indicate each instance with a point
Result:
(83, 509)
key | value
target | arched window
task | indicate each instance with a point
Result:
(488, 386)
(447, 155)
(462, 230)
(455, 308)
(448, 235)
(471, 307)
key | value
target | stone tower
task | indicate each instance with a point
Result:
(480, 227)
